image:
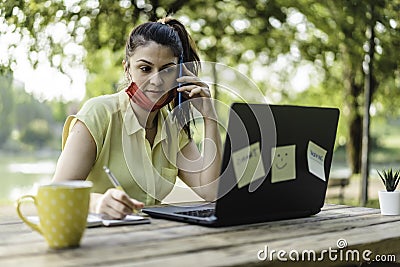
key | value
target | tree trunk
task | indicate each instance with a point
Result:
(368, 91)
(355, 140)
(352, 98)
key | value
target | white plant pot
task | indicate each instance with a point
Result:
(389, 202)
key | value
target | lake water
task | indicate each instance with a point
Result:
(21, 174)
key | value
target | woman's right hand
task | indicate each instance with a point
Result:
(114, 203)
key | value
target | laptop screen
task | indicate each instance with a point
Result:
(277, 159)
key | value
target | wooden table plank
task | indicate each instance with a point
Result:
(8, 214)
(200, 238)
(173, 243)
(196, 230)
(246, 254)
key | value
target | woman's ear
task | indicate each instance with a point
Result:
(125, 65)
(126, 70)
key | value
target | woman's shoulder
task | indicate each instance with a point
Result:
(103, 103)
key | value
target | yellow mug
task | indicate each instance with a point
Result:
(62, 210)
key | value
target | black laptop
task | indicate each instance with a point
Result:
(276, 165)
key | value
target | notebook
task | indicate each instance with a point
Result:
(96, 220)
(276, 165)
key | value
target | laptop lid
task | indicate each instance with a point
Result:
(276, 162)
(276, 165)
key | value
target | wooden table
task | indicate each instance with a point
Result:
(167, 243)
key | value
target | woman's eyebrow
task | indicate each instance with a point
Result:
(145, 61)
(151, 64)
(169, 65)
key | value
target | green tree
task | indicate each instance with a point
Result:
(64, 31)
(6, 107)
(34, 121)
(235, 32)
(37, 133)
(339, 43)
(28, 109)
(332, 35)
(105, 74)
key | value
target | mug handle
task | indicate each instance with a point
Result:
(20, 201)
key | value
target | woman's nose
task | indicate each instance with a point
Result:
(156, 79)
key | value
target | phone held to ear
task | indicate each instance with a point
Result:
(180, 84)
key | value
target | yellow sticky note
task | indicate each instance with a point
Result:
(283, 163)
(248, 164)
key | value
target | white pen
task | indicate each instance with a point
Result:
(113, 179)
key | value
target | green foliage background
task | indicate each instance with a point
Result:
(278, 37)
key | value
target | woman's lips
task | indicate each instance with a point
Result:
(154, 92)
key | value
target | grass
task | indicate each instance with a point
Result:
(371, 203)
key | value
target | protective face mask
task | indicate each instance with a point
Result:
(139, 98)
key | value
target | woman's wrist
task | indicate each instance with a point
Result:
(210, 114)
(210, 120)
(94, 202)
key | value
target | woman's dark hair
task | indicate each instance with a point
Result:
(171, 33)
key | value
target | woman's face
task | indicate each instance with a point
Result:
(153, 68)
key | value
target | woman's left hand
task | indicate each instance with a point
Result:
(198, 92)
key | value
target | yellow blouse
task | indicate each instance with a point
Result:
(146, 173)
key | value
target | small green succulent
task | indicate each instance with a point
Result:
(390, 179)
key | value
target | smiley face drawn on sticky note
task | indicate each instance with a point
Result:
(283, 167)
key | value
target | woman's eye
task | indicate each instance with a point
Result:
(169, 69)
(145, 68)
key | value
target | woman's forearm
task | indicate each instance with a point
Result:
(212, 158)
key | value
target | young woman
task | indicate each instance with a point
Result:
(142, 133)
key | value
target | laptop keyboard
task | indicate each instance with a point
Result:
(198, 213)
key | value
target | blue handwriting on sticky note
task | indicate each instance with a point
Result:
(316, 160)
(248, 164)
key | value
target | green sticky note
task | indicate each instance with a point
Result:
(248, 164)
